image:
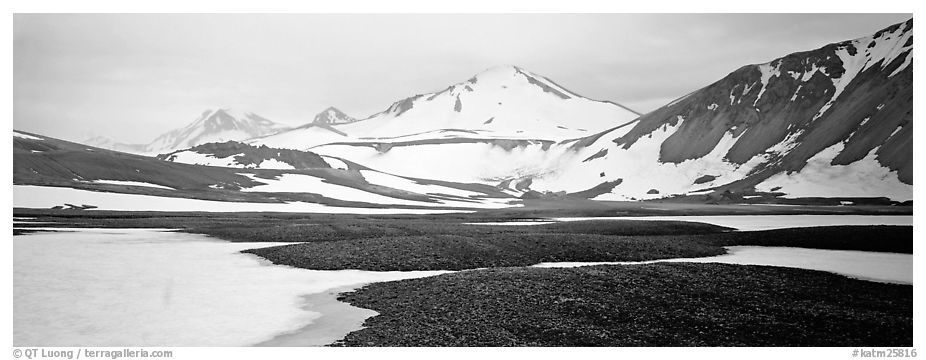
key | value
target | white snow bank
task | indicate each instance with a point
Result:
(132, 183)
(24, 136)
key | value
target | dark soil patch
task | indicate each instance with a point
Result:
(458, 252)
(636, 305)
(898, 239)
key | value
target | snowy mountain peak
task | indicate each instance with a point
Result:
(212, 125)
(503, 101)
(497, 74)
(512, 76)
(332, 116)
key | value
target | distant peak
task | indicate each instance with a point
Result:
(332, 115)
(226, 111)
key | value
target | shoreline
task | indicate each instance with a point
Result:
(336, 320)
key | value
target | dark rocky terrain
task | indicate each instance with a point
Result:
(679, 304)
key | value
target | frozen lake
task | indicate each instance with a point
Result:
(865, 265)
(153, 287)
(121, 287)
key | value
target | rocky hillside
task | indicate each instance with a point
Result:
(52, 173)
(835, 120)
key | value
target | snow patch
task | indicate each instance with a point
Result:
(767, 73)
(897, 130)
(796, 92)
(132, 183)
(25, 136)
(274, 164)
(863, 178)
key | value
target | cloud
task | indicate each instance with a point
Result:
(132, 77)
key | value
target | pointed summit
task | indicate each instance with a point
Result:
(507, 76)
(501, 73)
(333, 116)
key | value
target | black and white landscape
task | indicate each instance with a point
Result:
(771, 206)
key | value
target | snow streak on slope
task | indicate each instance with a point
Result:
(132, 183)
(25, 136)
(298, 183)
(860, 54)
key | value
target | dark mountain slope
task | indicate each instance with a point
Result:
(789, 109)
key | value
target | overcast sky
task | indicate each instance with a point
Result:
(132, 77)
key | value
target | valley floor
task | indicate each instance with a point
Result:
(501, 301)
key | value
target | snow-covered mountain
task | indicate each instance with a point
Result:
(502, 102)
(215, 125)
(491, 127)
(332, 116)
(505, 102)
(832, 122)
